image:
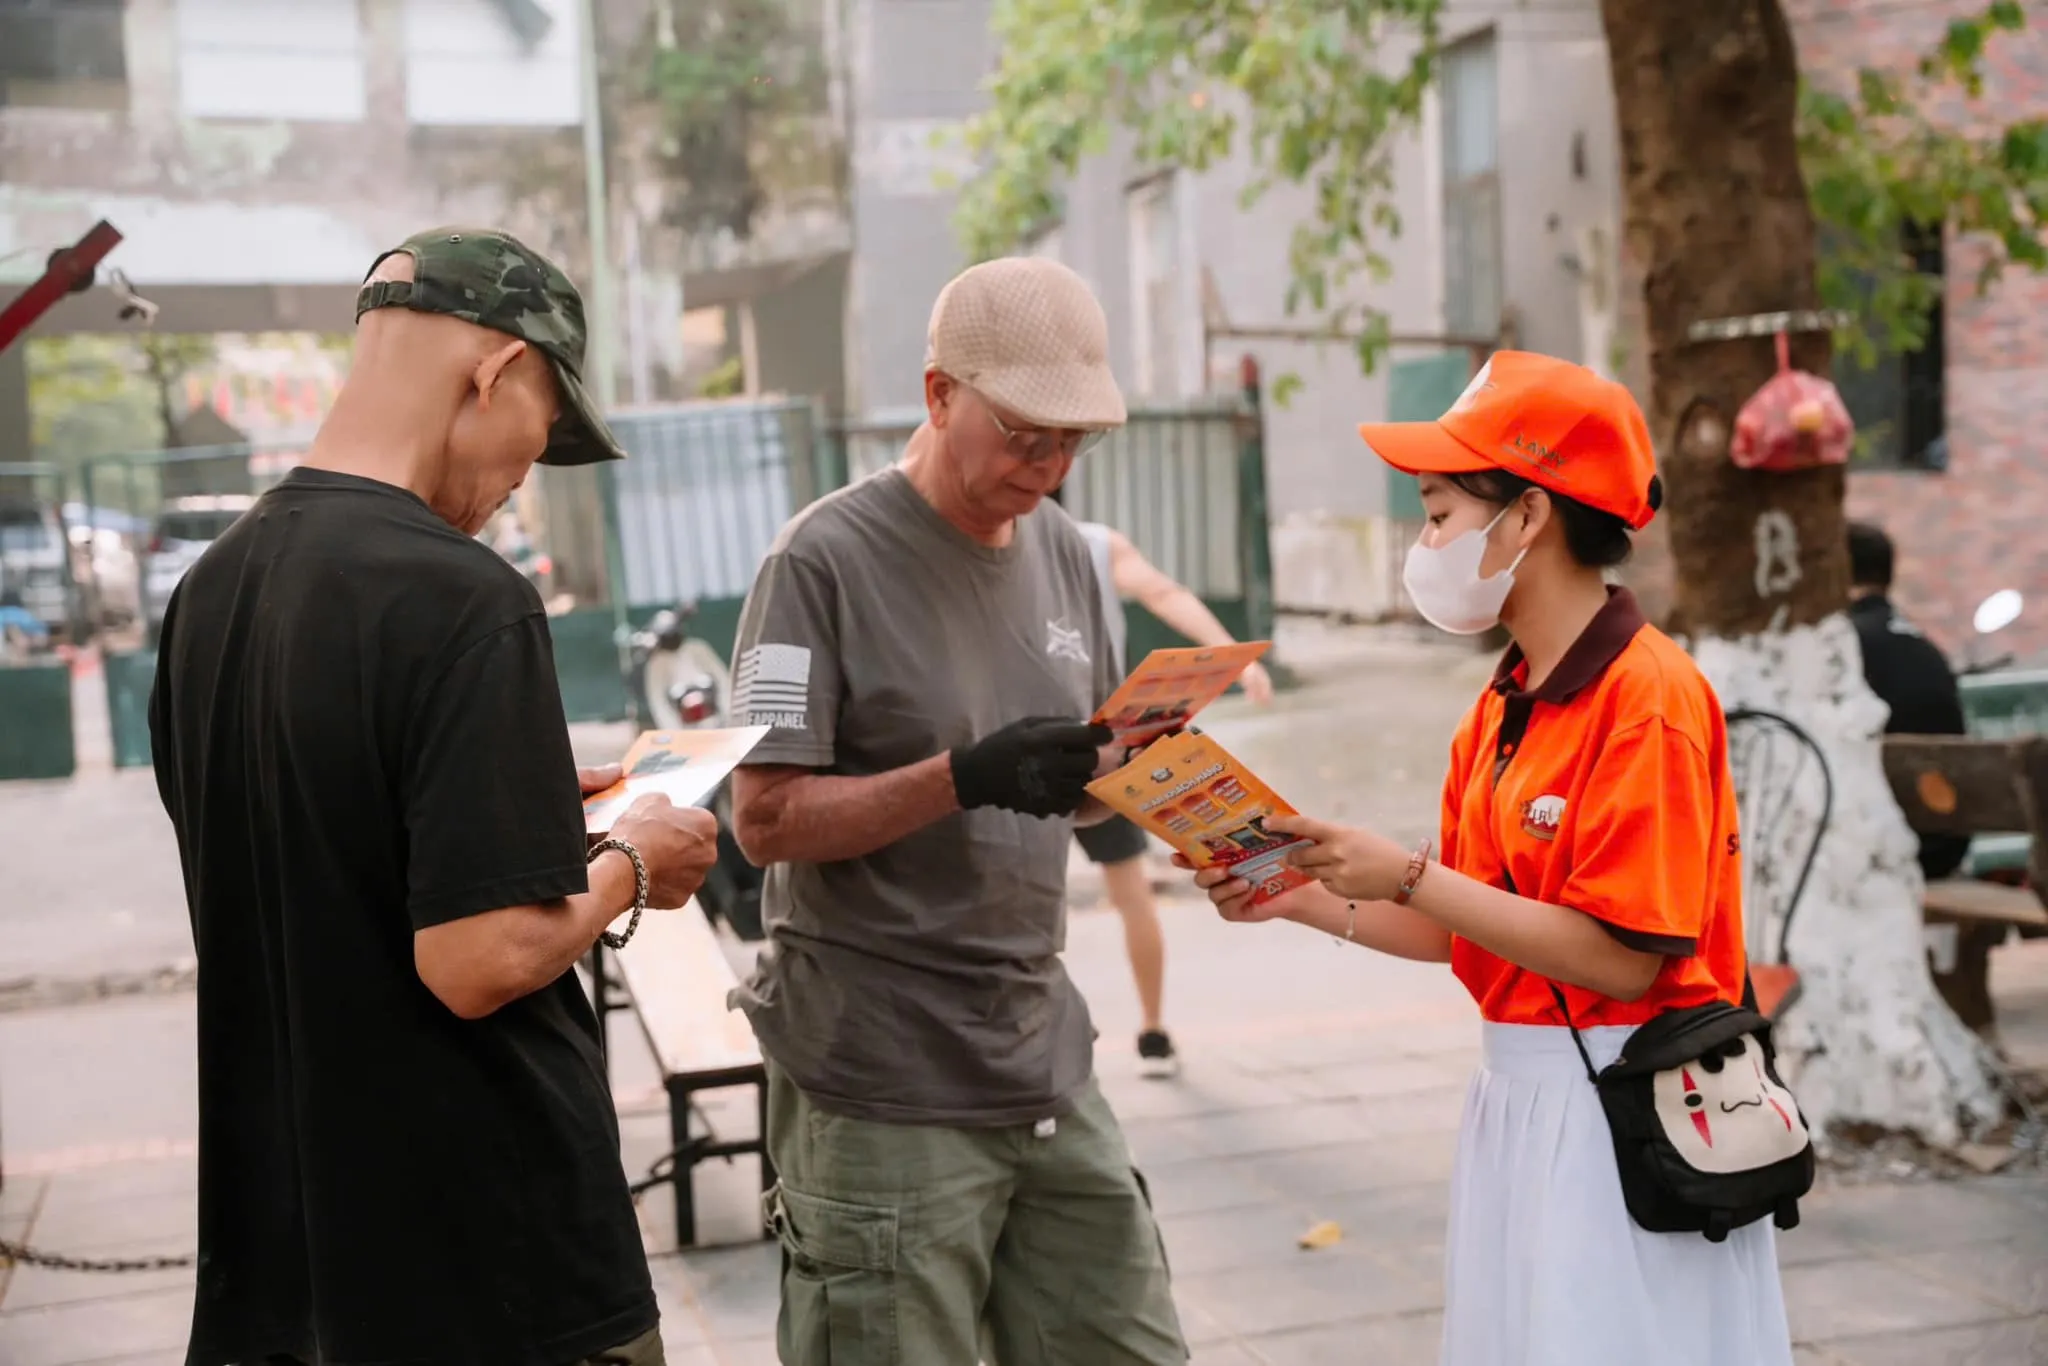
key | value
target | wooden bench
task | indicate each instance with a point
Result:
(1962, 785)
(676, 978)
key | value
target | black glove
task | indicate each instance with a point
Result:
(1039, 766)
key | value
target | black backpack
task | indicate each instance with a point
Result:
(1706, 1137)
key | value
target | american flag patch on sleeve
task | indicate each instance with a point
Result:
(773, 687)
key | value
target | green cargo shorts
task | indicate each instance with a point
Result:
(911, 1245)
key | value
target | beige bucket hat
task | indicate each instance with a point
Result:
(1027, 334)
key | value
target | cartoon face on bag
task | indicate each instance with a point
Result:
(1723, 1113)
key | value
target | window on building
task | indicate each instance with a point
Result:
(1900, 404)
(493, 64)
(1472, 265)
(1157, 285)
(302, 61)
(63, 54)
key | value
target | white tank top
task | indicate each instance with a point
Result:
(1097, 536)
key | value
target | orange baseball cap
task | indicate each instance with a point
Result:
(1554, 423)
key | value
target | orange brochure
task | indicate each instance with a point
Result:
(1189, 791)
(686, 766)
(1163, 693)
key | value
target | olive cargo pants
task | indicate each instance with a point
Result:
(901, 1243)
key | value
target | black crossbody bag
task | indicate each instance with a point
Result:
(1706, 1136)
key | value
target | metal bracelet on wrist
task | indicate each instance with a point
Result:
(606, 937)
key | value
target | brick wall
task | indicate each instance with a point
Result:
(1978, 526)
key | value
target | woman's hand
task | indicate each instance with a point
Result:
(1357, 865)
(1231, 895)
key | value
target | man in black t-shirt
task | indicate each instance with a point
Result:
(408, 1153)
(1905, 669)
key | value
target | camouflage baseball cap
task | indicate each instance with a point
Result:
(494, 280)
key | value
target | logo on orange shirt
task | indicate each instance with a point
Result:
(1540, 816)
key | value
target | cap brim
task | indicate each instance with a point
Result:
(581, 437)
(1074, 396)
(1422, 448)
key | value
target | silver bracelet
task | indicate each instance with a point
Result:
(1350, 925)
(606, 937)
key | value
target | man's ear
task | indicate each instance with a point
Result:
(939, 389)
(492, 368)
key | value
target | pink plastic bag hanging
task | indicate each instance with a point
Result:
(1794, 422)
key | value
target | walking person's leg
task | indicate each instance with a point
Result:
(1118, 847)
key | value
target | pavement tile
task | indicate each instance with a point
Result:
(1307, 1293)
(96, 1330)
(2011, 1342)
(93, 1226)
(1224, 1240)
(737, 1290)
(20, 1194)
(1333, 1169)
(2010, 1275)
(1387, 1077)
(1307, 1125)
(1204, 1088)
(1862, 1298)
(1905, 1220)
(1157, 1143)
(1436, 1111)
(1197, 1325)
(1209, 1184)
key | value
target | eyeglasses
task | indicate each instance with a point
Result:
(1036, 445)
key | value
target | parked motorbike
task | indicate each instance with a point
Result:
(680, 683)
(1993, 615)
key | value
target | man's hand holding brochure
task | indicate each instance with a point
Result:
(1182, 785)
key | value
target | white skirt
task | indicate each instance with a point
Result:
(1544, 1267)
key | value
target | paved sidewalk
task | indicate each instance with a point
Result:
(1322, 1083)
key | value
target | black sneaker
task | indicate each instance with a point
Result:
(1156, 1058)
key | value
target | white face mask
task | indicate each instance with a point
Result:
(1444, 584)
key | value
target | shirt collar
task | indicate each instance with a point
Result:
(1603, 640)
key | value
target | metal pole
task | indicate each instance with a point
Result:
(597, 370)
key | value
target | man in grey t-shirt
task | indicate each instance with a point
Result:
(926, 645)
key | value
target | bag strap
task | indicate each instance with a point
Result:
(1592, 1074)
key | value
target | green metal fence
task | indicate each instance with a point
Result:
(689, 517)
(37, 580)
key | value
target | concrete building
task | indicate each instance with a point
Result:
(1508, 194)
(256, 154)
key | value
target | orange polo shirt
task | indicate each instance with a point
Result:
(1606, 789)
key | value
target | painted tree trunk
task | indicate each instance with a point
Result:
(1717, 209)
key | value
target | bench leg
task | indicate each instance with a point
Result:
(767, 1162)
(685, 1164)
(1967, 986)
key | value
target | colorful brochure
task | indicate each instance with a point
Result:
(1189, 791)
(686, 766)
(1165, 691)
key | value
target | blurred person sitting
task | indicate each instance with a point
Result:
(1905, 669)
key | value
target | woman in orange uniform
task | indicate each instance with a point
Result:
(1588, 844)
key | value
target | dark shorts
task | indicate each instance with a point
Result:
(1116, 840)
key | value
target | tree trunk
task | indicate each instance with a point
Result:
(1717, 211)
